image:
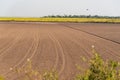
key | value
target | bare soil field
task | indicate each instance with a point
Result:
(108, 31)
(58, 46)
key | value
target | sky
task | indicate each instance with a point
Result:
(39, 8)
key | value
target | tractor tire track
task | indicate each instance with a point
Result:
(20, 37)
(24, 59)
(98, 37)
(4, 52)
(7, 45)
(62, 53)
(91, 34)
(36, 45)
(26, 55)
(14, 43)
(56, 51)
(76, 41)
(117, 55)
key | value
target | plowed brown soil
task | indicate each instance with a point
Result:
(58, 46)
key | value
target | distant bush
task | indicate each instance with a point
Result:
(100, 69)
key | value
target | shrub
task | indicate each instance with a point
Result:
(32, 74)
(1, 78)
(100, 69)
(50, 75)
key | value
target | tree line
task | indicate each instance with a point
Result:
(79, 16)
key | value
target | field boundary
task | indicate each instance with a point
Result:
(90, 33)
(76, 20)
